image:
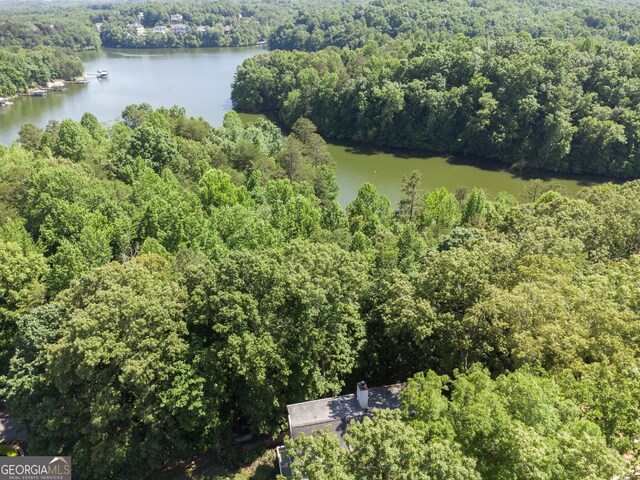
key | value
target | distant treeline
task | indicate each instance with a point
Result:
(246, 22)
(21, 69)
(69, 27)
(312, 25)
(544, 103)
(354, 25)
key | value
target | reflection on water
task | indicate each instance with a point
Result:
(197, 79)
(386, 167)
(200, 80)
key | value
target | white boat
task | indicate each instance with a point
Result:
(102, 74)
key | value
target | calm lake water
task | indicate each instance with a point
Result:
(200, 80)
(197, 79)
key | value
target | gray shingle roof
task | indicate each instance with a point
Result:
(335, 413)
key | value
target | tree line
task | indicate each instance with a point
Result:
(248, 22)
(353, 25)
(166, 286)
(21, 69)
(532, 103)
(305, 25)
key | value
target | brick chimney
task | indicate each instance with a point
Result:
(362, 394)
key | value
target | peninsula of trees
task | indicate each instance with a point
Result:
(532, 103)
(21, 69)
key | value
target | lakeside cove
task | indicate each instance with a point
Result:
(166, 77)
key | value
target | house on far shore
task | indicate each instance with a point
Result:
(140, 16)
(335, 414)
(228, 29)
(98, 27)
(160, 30)
(56, 85)
(179, 28)
(201, 28)
(137, 28)
(175, 18)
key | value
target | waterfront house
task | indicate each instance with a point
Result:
(336, 413)
(56, 85)
(140, 16)
(175, 18)
(98, 27)
(228, 29)
(179, 28)
(137, 29)
(201, 28)
(160, 30)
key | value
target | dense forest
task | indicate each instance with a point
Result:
(246, 23)
(166, 286)
(52, 24)
(354, 24)
(21, 69)
(539, 103)
(311, 25)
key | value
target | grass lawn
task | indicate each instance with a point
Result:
(8, 451)
(206, 467)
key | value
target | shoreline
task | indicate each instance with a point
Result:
(29, 92)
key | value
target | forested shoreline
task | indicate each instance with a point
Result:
(167, 285)
(21, 69)
(310, 26)
(533, 103)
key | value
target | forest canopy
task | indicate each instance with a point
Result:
(21, 69)
(165, 271)
(532, 103)
(167, 287)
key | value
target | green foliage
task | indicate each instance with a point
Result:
(282, 326)
(119, 374)
(21, 69)
(529, 102)
(165, 286)
(517, 426)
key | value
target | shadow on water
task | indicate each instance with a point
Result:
(485, 164)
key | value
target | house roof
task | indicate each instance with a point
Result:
(335, 413)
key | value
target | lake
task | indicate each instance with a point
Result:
(200, 80)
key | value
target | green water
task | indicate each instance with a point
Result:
(200, 81)
(385, 167)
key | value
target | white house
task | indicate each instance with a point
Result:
(137, 29)
(176, 18)
(160, 30)
(179, 28)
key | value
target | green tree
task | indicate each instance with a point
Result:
(410, 195)
(73, 141)
(440, 211)
(153, 145)
(120, 373)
